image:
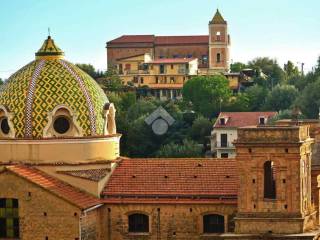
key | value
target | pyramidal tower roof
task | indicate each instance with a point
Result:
(218, 19)
(49, 50)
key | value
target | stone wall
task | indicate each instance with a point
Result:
(41, 213)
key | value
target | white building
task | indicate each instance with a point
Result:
(225, 130)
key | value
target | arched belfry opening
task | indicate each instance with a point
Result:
(269, 180)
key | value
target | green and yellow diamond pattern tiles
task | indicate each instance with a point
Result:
(54, 85)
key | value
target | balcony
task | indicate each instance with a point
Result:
(223, 145)
(133, 72)
(183, 71)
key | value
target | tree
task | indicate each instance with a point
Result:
(270, 67)
(1, 81)
(256, 97)
(290, 70)
(110, 80)
(238, 103)
(88, 68)
(281, 97)
(187, 149)
(309, 100)
(201, 129)
(207, 93)
(237, 67)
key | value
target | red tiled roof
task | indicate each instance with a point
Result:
(169, 40)
(172, 60)
(242, 119)
(134, 39)
(57, 187)
(162, 40)
(173, 180)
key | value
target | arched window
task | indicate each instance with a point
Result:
(138, 223)
(269, 180)
(9, 218)
(218, 57)
(213, 223)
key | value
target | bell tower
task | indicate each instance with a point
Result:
(219, 41)
(275, 180)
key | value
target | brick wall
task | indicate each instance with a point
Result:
(61, 220)
(181, 221)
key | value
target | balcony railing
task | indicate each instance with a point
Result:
(129, 71)
(224, 145)
(183, 71)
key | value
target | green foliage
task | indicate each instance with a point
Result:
(238, 103)
(1, 81)
(309, 100)
(110, 81)
(281, 97)
(90, 70)
(237, 67)
(201, 129)
(269, 67)
(256, 97)
(291, 70)
(185, 150)
(207, 93)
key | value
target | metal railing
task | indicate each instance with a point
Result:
(224, 144)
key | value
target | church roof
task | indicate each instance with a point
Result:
(161, 40)
(55, 186)
(173, 180)
(218, 19)
(47, 82)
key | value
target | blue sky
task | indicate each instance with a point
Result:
(281, 29)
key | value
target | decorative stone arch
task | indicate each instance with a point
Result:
(62, 122)
(109, 113)
(6, 125)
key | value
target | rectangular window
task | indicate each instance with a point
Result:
(9, 218)
(161, 68)
(171, 66)
(224, 140)
(224, 155)
(127, 66)
(262, 121)
(157, 80)
(171, 79)
(141, 80)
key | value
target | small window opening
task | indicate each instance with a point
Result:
(222, 121)
(5, 126)
(138, 223)
(61, 124)
(269, 180)
(218, 57)
(262, 121)
(213, 223)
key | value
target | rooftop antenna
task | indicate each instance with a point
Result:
(49, 32)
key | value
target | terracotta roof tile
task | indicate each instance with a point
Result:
(241, 119)
(57, 187)
(175, 179)
(90, 174)
(161, 40)
(169, 40)
(134, 39)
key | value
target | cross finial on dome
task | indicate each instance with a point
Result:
(49, 32)
(49, 50)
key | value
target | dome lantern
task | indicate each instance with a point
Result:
(49, 50)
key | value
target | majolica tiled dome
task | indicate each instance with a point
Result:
(38, 88)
